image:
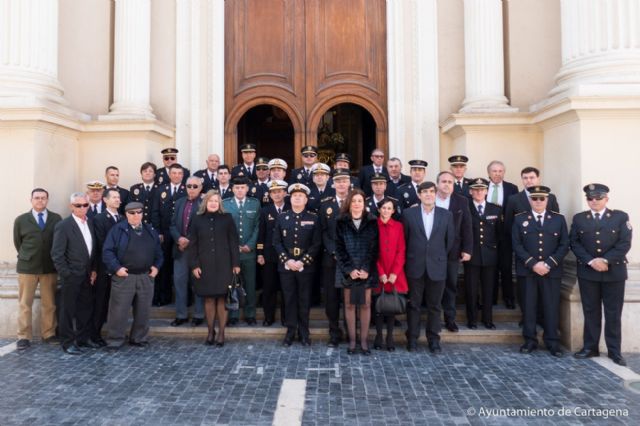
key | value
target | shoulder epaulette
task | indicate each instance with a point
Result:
(524, 212)
(558, 213)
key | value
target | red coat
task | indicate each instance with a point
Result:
(391, 255)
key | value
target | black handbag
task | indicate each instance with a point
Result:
(391, 303)
(236, 295)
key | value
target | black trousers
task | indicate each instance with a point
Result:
(479, 279)
(163, 283)
(503, 276)
(76, 303)
(296, 288)
(101, 292)
(545, 292)
(424, 289)
(595, 295)
(332, 296)
(450, 291)
(270, 288)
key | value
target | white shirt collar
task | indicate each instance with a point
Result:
(593, 212)
(479, 204)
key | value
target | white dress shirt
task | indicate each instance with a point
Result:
(427, 220)
(535, 216)
(444, 203)
(86, 233)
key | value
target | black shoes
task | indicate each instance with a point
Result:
(412, 346)
(51, 340)
(435, 348)
(178, 322)
(232, 321)
(23, 344)
(618, 359)
(452, 326)
(72, 350)
(220, 344)
(527, 348)
(352, 351)
(586, 353)
(306, 341)
(288, 340)
(196, 321)
(251, 321)
(489, 325)
(556, 352)
(88, 344)
(333, 342)
(509, 304)
(377, 343)
(266, 323)
(142, 344)
(472, 325)
(366, 352)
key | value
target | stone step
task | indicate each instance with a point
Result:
(506, 332)
(500, 314)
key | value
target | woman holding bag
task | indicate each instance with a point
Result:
(390, 265)
(213, 259)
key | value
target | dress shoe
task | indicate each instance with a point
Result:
(88, 344)
(489, 325)
(618, 359)
(51, 340)
(142, 344)
(412, 346)
(100, 342)
(508, 303)
(397, 323)
(306, 341)
(452, 326)
(586, 353)
(209, 342)
(527, 348)
(435, 348)
(196, 321)
(178, 322)
(377, 343)
(334, 342)
(352, 351)
(72, 350)
(288, 340)
(390, 344)
(23, 344)
(251, 321)
(366, 352)
(266, 323)
(220, 344)
(472, 325)
(556, 352)
(232, 322)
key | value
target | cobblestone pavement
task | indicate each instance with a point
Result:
(181, 381)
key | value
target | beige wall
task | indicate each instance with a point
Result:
(163, 57)
(450, 56)
(84, 54)
(532, 47)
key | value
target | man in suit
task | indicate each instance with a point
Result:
(75, 257)
(95, 189)
(185, 210)
(479, 271)
(303, 174)
(343, 161)
(169, 157)
(224, 182)
(248, 166)
(601, 239)
(458, 167)
(540, 243)
(112, 177)
(259, 189)
(462, 244)
(407, 194)
(429, 234)
(209, 175)
(246, 215)
(164, 205)
(102, 224)
(498, 193)
(396, 177)
(267, 256)
(144, 191)
(33, 238)
(376, 166)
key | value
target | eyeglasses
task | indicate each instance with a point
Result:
(538, 198)
(191, 186)
(595, 198)
(132, 212)
(307, 155)
(81, 206)
(170, 158)
(378, 156)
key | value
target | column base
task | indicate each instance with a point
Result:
(494, 104)
(121, 111)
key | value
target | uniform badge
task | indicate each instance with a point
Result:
(299, 176)
(629, 225)
(406, 195)
(525, 223)
(330, 210)
(160, 180)
(253, 190)
(592, 187)
(136, 191)
(286, 217)
(284, 232)
(163, 195)
(608, 214)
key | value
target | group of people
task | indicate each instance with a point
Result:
(352, 237)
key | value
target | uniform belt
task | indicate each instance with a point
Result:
(295, 251)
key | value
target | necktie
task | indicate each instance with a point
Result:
(279, 210)
(597, 216)
(148, 188)
(95, 209)
(480, 209)
(494, 194)
(539, 219)
(339, 203)
(240, 205)
(41, 220)
(115, 218)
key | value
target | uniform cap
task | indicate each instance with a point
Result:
(378, 177)
(95, 184)
(343, 156)
(320, 168)
(593, 190)
(340, 173)
(277, 184)
(277, 163)
(420, 164)
(309, 148)
(169, 151)
(479, 183)
(539, 191)
(299, 187)
(241, 180)
(248, 147)
(458, 159)
(262, 163)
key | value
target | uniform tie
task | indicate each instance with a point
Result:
(597, 215)
(115, 218)
(278, 210)
(494, 194)
(148, 188)
(41, 220)
(95, 209)
(480, 209)
(539, 219)
(240, 204)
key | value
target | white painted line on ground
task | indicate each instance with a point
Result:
(7, 349)
(260, 370)
(236, 368)
(337, 367)
(290, 404)
(625, 373)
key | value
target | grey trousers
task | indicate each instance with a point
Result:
(124, 291)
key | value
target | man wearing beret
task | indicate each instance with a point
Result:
(600, 239)
(540, 243)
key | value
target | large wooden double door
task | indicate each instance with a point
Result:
(304, 57)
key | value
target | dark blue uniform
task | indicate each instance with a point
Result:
(297, 236)
(162, 175)
(355, 182)
(372, 207)
(241, 170)
(548, 243)
(207, 182)
(139, 193)
(316, 197)
(407, 196)
(462, 189)
(226, 193)
(260, 191)
(301, 175)
(608, 238)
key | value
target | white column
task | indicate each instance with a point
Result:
(412, 80)
(600, 48)
(29, 52)
(484, 57)
(216, 78)
(132, 60)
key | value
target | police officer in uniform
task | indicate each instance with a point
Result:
(540, 243)
(144, 191)
(458, 166)
(320, 189)
(343, 161)
(209, 175)
(600, 239)
(408, 193)
(260, 188)
(297, 237)
(379, 189)
(303, 174)
(224, 182)
(248, 166)
(267, 256)
(479, 271)
(169, 157)
(95, 191)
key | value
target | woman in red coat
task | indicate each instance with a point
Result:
(390, 266)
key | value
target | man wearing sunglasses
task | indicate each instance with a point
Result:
(169, 157)
(303, 174)
(133, 257)
(601, 239)
(540, 242)
(368, 171)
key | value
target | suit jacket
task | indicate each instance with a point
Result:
(463, 242)
(34, 244)
(102, 224)
(177, 223)
(392, 188)
(428, 256)
(487, 232)
(519, 203)
(249, 226)
(124, 198)
(366, 173)
(139, 193)
(508, 189)
(207, 182)
(608, 238)
(164, 205)
(69, 251)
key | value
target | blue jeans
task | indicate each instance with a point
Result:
(182, 279)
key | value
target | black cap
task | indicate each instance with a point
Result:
(248, 147)
(338, 173)
(425, 185)
(539, 191)
(169, 151)
(262, 163)
(343, 156)
(241, 180)
(479, 183)
(421, 164)
(596, 190)
(309, 148)
(378, 177)
(458, 159)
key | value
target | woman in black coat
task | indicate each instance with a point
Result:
(213, 259)
(356, 270)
